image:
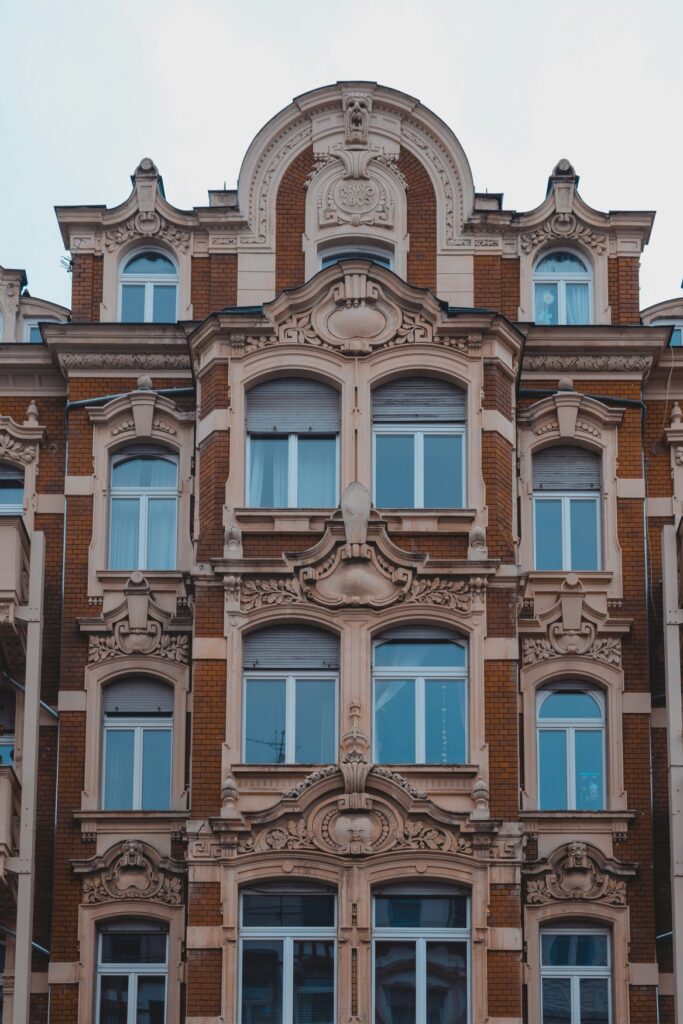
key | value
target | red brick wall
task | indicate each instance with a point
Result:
(504, 977)
(214, 461)
(290, 222)
(421, 213)
(498, 389)
(204, 982)
(624, 289)
(214, 283)
(498, 478)
(500, 683)
(496, 284)
(86, 288)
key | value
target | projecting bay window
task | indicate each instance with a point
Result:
(137, 745)
(132, 972)
(293, 444)
(576, 976)
(566, 509)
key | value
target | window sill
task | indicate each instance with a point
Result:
(297, 520)
(577, 823)
(124, 823)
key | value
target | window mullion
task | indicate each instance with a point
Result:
(420, 721)
(418, 483)
(290, 720)
(293, 466)
(566, 534)
(138, 733)
(132, 997)
(288, 981)
(421, 979)
(143, 512)
(576, 999)
(571, 767)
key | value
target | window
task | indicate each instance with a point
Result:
(290, 696)
(567, 486)
(132, 972)
(293, 444)
(32, 333)
(287, 954)
(676, 334)
(144, 508)
(562, 284)
(383, 257)
(420, 697)
(11, 490)
(421, 956)
(575, 976)
(149, 287)
(137, 745)
(571, 749)
(7, 720)
(419, 437)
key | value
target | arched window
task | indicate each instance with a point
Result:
(143, 509)
(149, 288)
(32, 333)
(420, 697)
(567, 483)
(421, 947)
(383, 257)
(137, 745)
(132, 971)
(290, 696)
(287, 953)
(570, 725)
(11, 490)
(293, 444)
(576, 975)
(562, 290)
(419, 444)
(8, 704)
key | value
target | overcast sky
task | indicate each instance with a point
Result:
(89, 87)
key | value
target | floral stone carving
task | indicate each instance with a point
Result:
(579, 872)
(137, 626)
(131, 871)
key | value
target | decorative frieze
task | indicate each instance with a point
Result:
(558, 644)
(563, 226)
(131, 870)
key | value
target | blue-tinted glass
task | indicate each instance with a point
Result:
(446, 983)
(149, 263)
(118, 769)
(594, 1000)
(134, 947)
(548, 533)
(442, 471)
(161, 533)
(313, 982)
(113, 999)
(583, 518)
(561, 263)
(133, 304)
(315, 739)
(264, 741)
(164, 304)
(395, 721)
(552, 769)
(288, 910)
(11, 494)
(317, 472)
(395, 471)
(395, 996)
(676, 337)
(546, 303)
(576, 299)
(571, 950)
(151, 1000)
(262, 982)
(383, 261)
(6, 757)
(445, 723)
(268, 471)
(124, 533)
(156, 769)
(589, 770)
(570, 704)
(145, 471)
(557, 1001)
(419, 654)
(417, 911)
(34, 335)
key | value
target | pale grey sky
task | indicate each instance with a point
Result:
(91, 86)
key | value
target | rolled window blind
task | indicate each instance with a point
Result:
(566, 468)
(291, 648)
(419, 633)
(293, 405)
(136, 695)
(411, 399)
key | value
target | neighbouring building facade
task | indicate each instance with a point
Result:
(337, 510)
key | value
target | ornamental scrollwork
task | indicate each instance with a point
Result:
(558, 644)
(563, 226)
(580, 363)
(266, 593)
(131, 871)
(579, 872)
(147, 224)
(173, 647)
(16, 450)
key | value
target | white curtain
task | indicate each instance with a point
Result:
(268, 472)
(124, 533)
(577, 304)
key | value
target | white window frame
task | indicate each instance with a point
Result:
(576, 973)
(143, 495)
(570, 726)
(134, 971)
(290, 680)
(292, 465)
(359, 251)
(418, 433)
(149, 281)
(288, 936)
(562, 280)
(566, 497)
(421, 936)
(419, 677)
(28, 324)
(138, 725)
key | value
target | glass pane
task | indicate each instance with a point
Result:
(445, 723)
(133, 304)
(577, 303)
(443, 471)
(548, 533)
(118, 769)
(395, 721)
(583, 518)
(34, 335)
(552, 769)
(134, 948)
(313, 982)
(156, 769)
(561, 263)
(589, 782)
(6, 757)
(570, 704)
(567, 949)
(149, 263)
(419, 654)
(315, 739)
(395, 983)
(557, 1001)
(416, 911)
(288, 910)
(124, 533)
(11, 494)
(268, 470)
(161, 533)
(113, 999)
(164, 304)
(261, 982)
(145, 471)
(546, 303)
(151, 1008)
(395, 471)
(676, 337)
(317, 472)
(594, 1000)
(264, 741)
(446, 983)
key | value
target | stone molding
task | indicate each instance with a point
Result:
(131, 870)
(568, 363)
(578, 871)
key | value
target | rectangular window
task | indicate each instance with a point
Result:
(132, 977)
(419, 467)
(420, 721)
(137, 764)
(567, 533)
(575, 977)
(290, 720)
(293, 471)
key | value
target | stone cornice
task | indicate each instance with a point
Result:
(123, 348)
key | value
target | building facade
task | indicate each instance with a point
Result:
(352, 486)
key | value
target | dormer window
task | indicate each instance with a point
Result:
(383, 257)
(149, 289)
(676, 334)
(562, 283)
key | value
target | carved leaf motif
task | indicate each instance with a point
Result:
(453, 594)
(174, 647)
(15, 450)
(606, 650)
(417, 835)
(265, 593)
(568, 363)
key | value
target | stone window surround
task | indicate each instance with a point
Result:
(110, 308)
(23, 450)
(598, 289)
(142, 279)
